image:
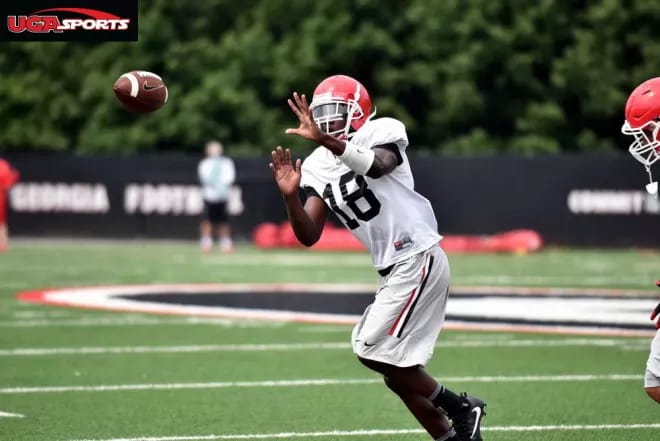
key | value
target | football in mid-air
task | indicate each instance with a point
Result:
(140, 91)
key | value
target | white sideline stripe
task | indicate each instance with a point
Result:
(22, 315)
(10, 415)
(374, 432)
(112, 321)
(636, 344)
(175, 349)
(310, 382)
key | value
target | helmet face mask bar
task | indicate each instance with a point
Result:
(327, 113)
(646, 147)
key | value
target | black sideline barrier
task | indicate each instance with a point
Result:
(569, 200)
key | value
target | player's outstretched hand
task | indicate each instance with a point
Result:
(287, 177)
(307, 128)
(656, 312)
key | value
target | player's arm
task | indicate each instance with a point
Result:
(306, 220)
(656, 312)
(229, 175)
(8, 178)
(14, 177)
(201, 175)
(373, 162)
(386, 158)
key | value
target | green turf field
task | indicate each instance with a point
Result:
(82, 375)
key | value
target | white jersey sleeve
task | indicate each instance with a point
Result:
(382, 131)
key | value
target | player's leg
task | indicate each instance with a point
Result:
(4, 239)
(224, 230)
(417, 379)
(652, 375)
(417, 389)
(205, 228)
(653, 392)
(414, 386)
(400, 330)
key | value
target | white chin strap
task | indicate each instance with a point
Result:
(652, 186)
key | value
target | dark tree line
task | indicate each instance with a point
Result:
(466, 76)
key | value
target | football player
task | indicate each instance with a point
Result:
(642, 121)
(652, 376)
(360, 171)
(8, 177)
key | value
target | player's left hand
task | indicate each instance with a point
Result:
(308, 128)
(656, 312)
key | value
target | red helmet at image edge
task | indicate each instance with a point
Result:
(340, 98)
(643, 104)
(642, 115)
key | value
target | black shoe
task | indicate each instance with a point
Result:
(467, 422)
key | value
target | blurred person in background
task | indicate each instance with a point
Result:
(8, 177)
(216, 175)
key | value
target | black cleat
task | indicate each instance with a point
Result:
(467, 422)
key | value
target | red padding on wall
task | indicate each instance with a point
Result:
(270, 235)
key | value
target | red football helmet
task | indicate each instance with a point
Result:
(643, 122)
(340, 98)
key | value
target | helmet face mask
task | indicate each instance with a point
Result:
(646, 147)
(331, 116)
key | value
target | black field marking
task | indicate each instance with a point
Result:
(345, 303)
(468, 295)
(355, 303)
(509, 321)
(523, 309)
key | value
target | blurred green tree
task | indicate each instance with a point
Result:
(466, 76)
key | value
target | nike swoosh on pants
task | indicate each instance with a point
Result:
(476, 410)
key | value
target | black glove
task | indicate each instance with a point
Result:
(656, 311)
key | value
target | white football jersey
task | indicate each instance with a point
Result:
(387, 215)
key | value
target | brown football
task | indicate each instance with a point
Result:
(140, 91)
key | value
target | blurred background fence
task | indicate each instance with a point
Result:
(568, 199)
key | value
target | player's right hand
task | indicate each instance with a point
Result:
(307, 128)
(287, 177)
(656, 312)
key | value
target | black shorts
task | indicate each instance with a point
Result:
(215, 212)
